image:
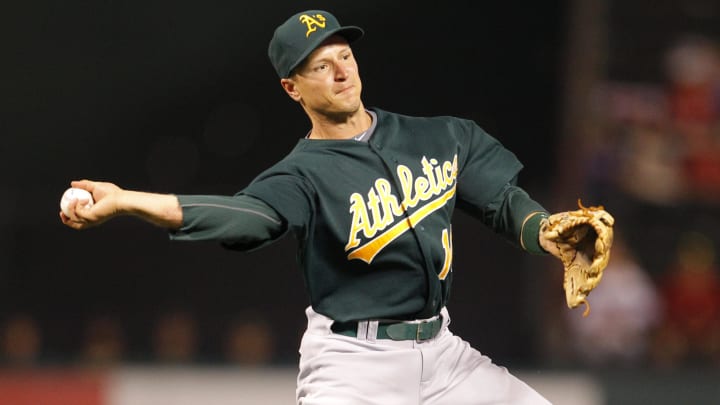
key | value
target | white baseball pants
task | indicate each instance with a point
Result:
(445, 370)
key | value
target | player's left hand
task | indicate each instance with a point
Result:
(581, 239)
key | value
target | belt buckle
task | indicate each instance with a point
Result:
(419, 330)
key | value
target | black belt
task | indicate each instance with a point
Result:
(419, 331)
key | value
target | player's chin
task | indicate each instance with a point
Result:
(349, 105)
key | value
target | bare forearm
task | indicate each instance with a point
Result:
(162, 210)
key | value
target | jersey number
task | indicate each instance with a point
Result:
(447, 247)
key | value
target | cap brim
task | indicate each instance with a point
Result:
(351, 33)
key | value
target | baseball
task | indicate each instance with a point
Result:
(73, 194)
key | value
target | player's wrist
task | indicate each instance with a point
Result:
(530, 236)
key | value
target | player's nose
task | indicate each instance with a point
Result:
(342, 71)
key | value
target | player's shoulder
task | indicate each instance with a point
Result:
(421, 120)
(434, 126)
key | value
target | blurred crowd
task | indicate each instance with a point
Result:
(173, 339)
(655, 165)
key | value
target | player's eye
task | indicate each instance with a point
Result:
(321, 68)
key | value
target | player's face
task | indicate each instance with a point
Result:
(328, 81)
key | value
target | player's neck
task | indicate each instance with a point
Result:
(333, 127)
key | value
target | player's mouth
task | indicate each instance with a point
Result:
(345, 90)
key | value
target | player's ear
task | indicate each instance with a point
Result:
(289, 86)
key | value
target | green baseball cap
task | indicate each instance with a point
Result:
(297, 37)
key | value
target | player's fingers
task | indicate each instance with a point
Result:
(80, 212)
(85, 184)
(67, 221)
(76, 225)
(98, 189)
(82, 204)
(71, 210)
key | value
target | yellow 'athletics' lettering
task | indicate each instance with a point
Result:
(382, 208)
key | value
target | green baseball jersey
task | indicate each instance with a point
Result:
(373, 219)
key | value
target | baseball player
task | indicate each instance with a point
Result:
(369, 195)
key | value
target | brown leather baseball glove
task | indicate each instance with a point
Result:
(581, 239)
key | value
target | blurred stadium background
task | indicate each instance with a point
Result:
(617, 103)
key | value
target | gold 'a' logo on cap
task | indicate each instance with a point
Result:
(312, 22)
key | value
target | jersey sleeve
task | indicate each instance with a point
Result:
(289, 194)
(485, 167)
(487, 190)
(516, 216)
(238, 222)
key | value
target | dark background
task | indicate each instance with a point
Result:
(180, 97)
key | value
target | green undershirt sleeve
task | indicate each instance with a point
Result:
(530, 232)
